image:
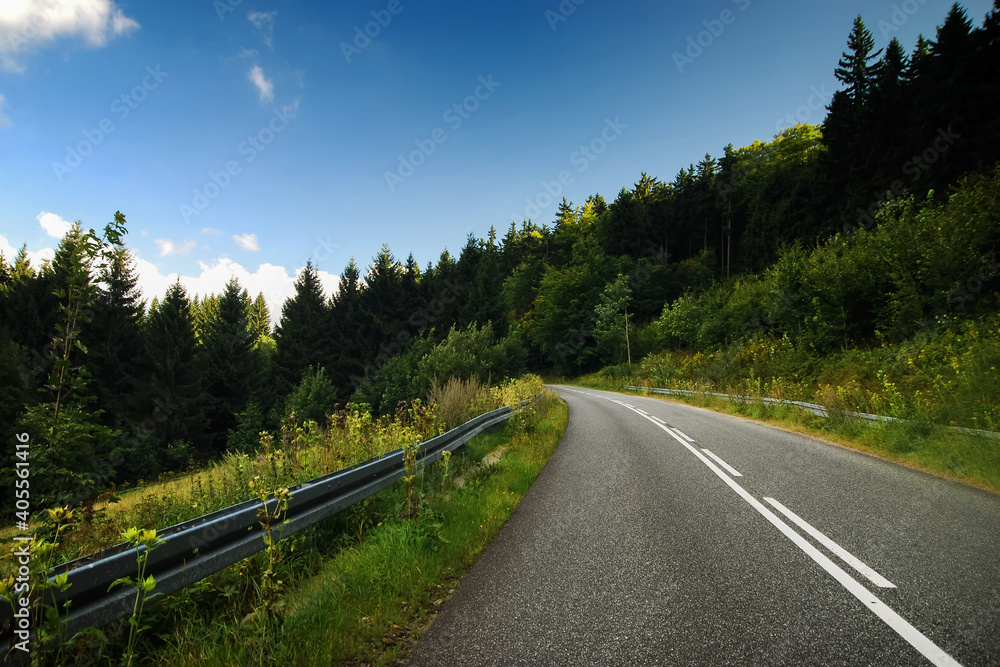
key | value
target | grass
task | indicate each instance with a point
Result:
(302, 452)
(369, 599)
(357, 587)
(967, 458)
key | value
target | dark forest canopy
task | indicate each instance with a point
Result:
(120, 390)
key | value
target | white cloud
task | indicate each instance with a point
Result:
(273, 281)
(264, 22)
(26, 25)
(4, 120)
(168, 247)
(35, 259)
(53, 225)
(264, 87)
(247, 241)
(210, 230)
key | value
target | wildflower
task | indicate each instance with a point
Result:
(60, 514)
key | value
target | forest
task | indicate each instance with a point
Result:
(873, 233)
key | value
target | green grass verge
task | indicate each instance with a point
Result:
(367, 602)
(970, 459)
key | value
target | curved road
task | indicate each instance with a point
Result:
(636, 546)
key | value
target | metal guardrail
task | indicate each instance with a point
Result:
(195, 549)
(817, 410)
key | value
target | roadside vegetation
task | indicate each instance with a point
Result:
(238, 615)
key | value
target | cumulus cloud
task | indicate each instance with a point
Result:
(264, 86)
(247, 241)
(26, 25)
(35, 259)
(4, 120)
(53, 225)
(274, 282)
(168, 247)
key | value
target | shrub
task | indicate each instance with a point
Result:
(313, 399)
(459, 400)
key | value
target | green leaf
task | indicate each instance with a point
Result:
(123, 580)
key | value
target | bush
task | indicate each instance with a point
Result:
(313, 399)
(458, 400)
(245, 438)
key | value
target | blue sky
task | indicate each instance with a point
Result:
(247, 136)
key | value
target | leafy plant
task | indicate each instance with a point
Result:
(144, 541)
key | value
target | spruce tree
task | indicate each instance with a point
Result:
(170, 394)
(231, 364)
(114, 339)
(300, 336)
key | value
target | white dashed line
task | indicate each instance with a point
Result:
(934, 653)
(732, 471)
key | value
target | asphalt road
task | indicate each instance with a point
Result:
(636, 547)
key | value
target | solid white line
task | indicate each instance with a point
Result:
(641, 412)
(841, 552)
(684, 435)
(916, 639)
(659, 420)
(732, 471)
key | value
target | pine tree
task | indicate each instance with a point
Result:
(170, 394)
(300, 336)
(260, 318)
(348, 358)
(231, 364)
(114, 338)
(484, 303)
(857, 68)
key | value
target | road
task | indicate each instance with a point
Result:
(635, 546)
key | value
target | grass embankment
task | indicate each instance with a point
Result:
(301, 452)
(945, 378)
(356, 588)
(368, 600)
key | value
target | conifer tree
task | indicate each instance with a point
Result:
(114, 339)
(231, 364)
(301, 335)
(170, 395)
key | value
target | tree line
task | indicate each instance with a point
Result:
(115, 389)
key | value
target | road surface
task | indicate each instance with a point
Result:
(663, 534)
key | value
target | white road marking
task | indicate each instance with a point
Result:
(900, 625)
(684, 435)
(659, 420)
(641, 412)
(732, 471)
(841, 552)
